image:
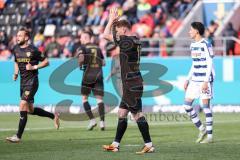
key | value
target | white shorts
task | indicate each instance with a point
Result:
(194, 91)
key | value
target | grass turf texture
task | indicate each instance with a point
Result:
(173, 140)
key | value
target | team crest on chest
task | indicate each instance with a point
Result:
(28, 54)
(27, 93)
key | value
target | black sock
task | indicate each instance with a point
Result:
(121, 128)
(101, 111)
(41, 112)
(144, 129)
(22, 123)
(87, 109)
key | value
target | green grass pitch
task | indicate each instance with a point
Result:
(173, 140)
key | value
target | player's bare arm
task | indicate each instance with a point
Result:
(42, 64)
(113, 16)
(16, 71)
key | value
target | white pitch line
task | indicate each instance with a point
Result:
(132, 145)
(132, 124)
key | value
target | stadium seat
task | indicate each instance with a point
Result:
(3, 20)
(23, 8)
(19, 1)
(3, 28)
(8, 30)
(14, 19)
(23, 19)
(10, 9)
(13, 30)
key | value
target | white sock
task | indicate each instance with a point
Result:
(202, 128)
(149, 144)
(209, 136)
(101, 123)
(93, 121)
(116, 144)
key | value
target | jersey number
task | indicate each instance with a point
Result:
(94, 55)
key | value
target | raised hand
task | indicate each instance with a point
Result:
(113, 14)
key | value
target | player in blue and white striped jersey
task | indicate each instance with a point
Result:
(199, 81)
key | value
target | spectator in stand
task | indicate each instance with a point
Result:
(43, 13)
(160, 16)
(69, 16)
(209, 36)
(143, 8)
(32, 15)
(130, 10)
(57, 13)
(76, 42)
(53, 48)
(4, 52)
(182, 6)
(169, 6)
(68, 48)
(213, 27)
(94, 13)
(230, 44)
(80, 12)
(3, 38)
(39, 38)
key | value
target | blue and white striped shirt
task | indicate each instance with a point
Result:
(202, 69)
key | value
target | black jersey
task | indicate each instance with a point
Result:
(130, 47)
(93, 62)
(23, 56)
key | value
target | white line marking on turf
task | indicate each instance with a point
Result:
(151, 124)
(132, 145)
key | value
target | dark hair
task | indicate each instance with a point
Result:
(122, 23)
(199, 27)
(27, 33)
(87, 32)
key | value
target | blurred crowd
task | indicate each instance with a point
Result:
(57, 24)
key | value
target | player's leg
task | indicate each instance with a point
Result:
(32, 90)
(206, 97)
(193, 91)
(143, 127)
(42, 113)
(101, 111)
(89, 113)
(121, 128)
(23, 108)
(195, 119)
(85, 91)
(209, 121)
(98, 91)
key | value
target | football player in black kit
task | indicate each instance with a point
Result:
(91, 62)
(131, 79)
(27, 58)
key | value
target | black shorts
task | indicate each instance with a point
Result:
(96, 88)
(131, 99)
(28, 90)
